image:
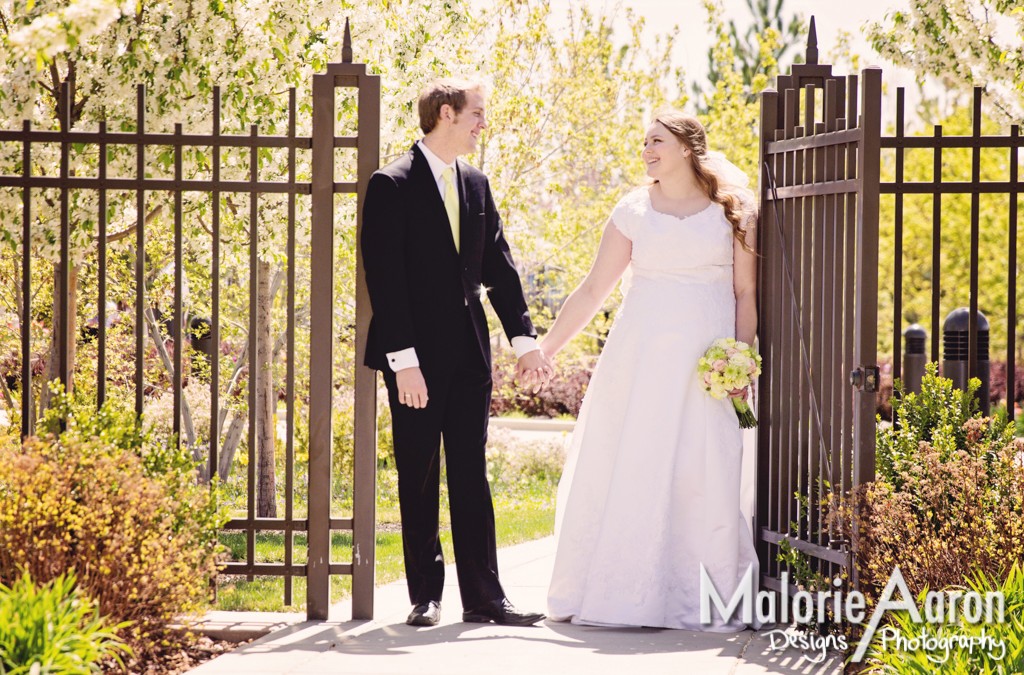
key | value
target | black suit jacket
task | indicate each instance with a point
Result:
(420, 286)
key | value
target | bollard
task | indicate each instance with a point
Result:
(955, 353)
(914, 339)
(201, 336)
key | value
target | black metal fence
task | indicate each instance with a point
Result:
(171, 348)
(945, 296)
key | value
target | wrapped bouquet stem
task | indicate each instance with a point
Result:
(727, 365)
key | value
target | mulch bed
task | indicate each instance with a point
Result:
(187, 653)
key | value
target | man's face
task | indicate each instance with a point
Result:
(467, 125)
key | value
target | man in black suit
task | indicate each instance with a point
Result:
(432, 247)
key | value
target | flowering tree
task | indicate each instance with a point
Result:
(254, 50)
(749, 55)
(568, 113)
(965, 43)
(732, 108)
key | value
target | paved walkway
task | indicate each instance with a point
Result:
(387, 645)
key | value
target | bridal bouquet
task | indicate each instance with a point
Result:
(729, 364)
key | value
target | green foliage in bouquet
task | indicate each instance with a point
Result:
(54, 628)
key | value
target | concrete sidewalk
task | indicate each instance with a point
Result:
(387, 645)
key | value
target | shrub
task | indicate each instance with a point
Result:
(978, 660)
(123, 512)
(938, 416)
(53, 629)
(562, 396)
(513, 464)
(948, 499)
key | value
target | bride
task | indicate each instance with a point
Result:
(651, 486)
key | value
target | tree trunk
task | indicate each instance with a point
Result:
(59, 324)
(262, 370)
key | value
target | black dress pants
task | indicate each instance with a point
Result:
(457, 412)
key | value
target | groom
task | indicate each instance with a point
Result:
(432, 248)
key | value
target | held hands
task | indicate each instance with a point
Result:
(534, 371)
(412, 388)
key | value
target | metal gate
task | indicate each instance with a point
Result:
(818, 305)
(143, 188)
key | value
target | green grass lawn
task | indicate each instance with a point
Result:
(522, 514)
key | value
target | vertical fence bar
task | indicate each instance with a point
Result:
(790, 383)
(63, 288)
(178, 286)
(365, 411)
(850, 272)
(101, 354)
(289, 455)
(798, 414)
(866, 347)
(802, 282)
(254, 406)
(140, 248)
(936, 241)
(766, 341)
(972, 333)
(320, 349)
(1011, 291)
(828, 328)
(897, 300)
(27, 406)
(215, 293)
(781, 373)
(817, 355)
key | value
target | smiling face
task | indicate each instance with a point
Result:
(464, 127)
(664, 154)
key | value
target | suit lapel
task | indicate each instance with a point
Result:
(436, 214)
(467, 232)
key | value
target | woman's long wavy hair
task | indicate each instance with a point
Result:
(690, 133)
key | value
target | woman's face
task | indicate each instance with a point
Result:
(663, 154)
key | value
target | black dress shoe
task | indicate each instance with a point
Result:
(425, 614)
(501, 612)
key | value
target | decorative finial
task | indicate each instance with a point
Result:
(812, 44)
(346, 46)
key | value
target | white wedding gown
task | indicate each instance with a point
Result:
(651, 485)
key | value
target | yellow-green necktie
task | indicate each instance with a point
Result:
(451, 203)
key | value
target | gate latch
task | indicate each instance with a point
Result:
(865, 378)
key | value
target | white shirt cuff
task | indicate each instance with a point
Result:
(524, 344)
(403, 359)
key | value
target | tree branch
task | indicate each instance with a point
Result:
(158, 340)
(118, 236)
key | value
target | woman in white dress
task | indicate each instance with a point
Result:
(651, 486)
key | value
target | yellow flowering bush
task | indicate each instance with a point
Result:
(124, 513)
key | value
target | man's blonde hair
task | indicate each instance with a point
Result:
(451, 91)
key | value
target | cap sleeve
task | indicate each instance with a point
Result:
(626, 214)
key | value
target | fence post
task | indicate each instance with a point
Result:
(866, 338)
(364, 538)
(321, 337)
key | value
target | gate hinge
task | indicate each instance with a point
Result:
(865, 378)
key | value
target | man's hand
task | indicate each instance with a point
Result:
(534, 370)
(412, 388)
